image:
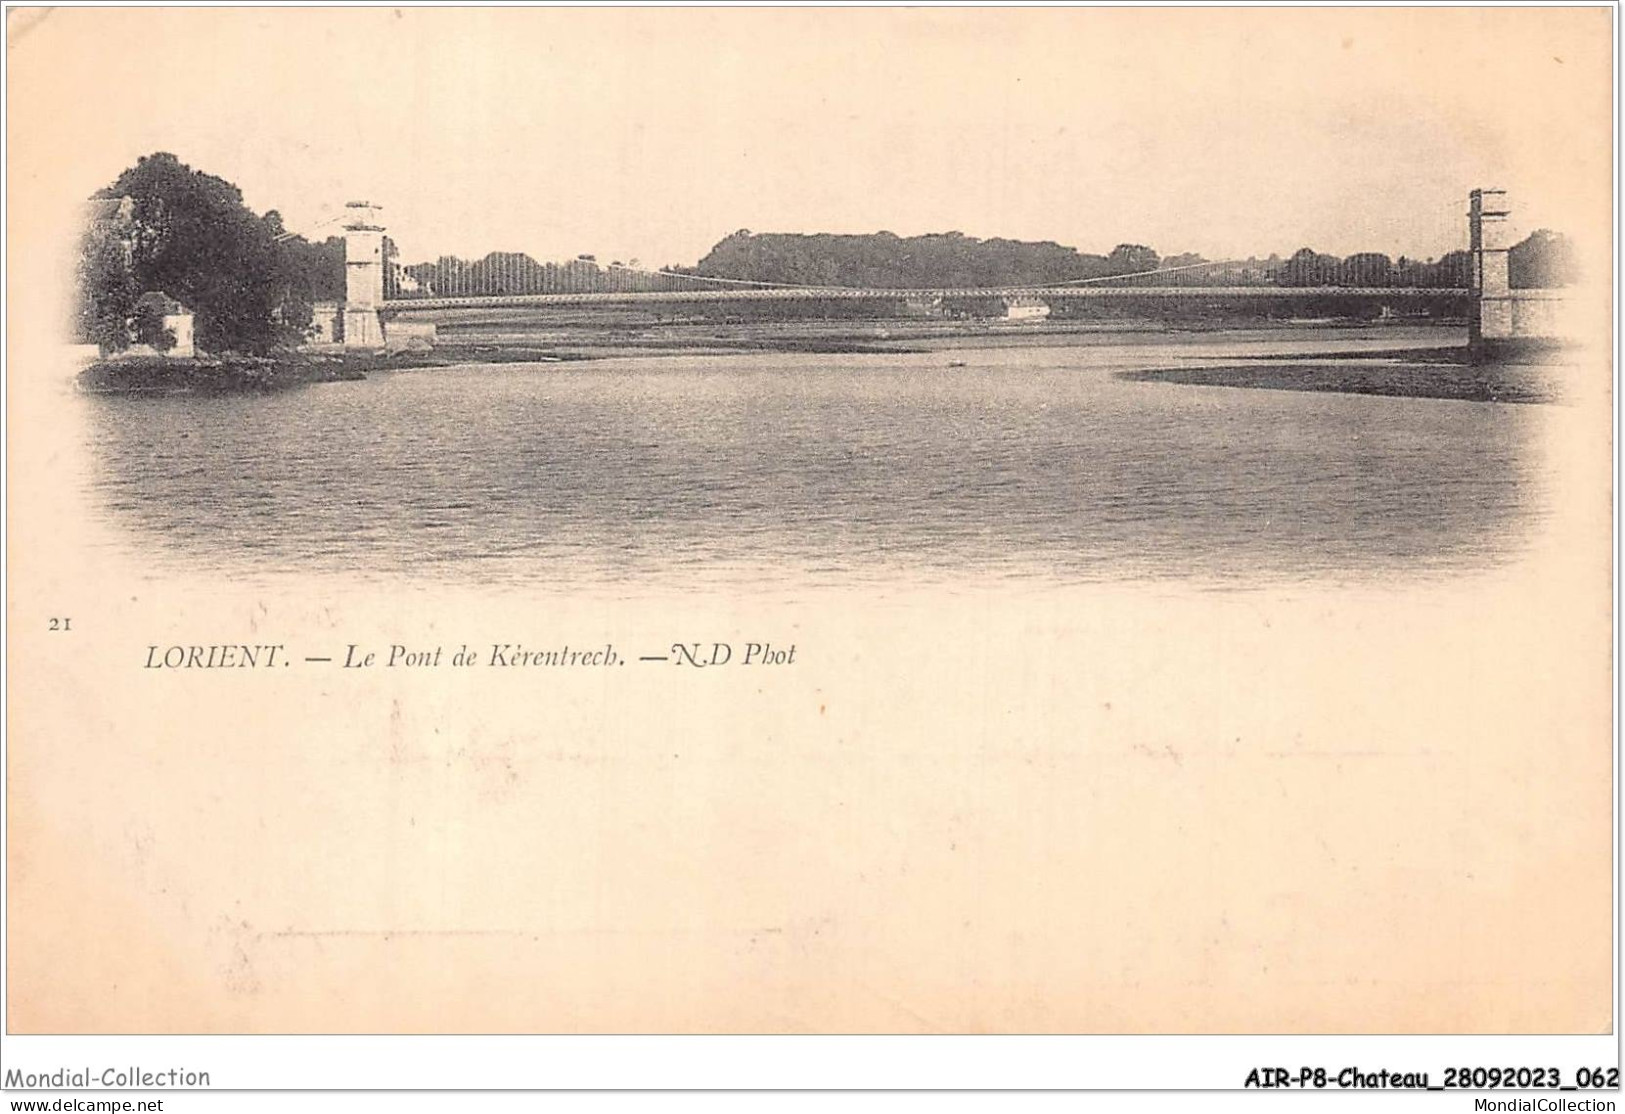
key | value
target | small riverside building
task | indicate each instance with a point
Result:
(1025, 308)
(176, 318)
(326, 325)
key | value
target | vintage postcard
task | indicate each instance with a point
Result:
(789, 520)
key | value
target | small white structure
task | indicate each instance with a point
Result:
(404, 282)
(326, 323)
(176, 318)
(1024, 307)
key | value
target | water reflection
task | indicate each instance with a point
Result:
(1023, 462)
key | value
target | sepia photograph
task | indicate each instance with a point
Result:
(975, 521)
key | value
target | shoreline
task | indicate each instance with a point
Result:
(1408, 367)
(221, 375)
(1456, 381)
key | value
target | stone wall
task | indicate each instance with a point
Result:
(1539, 313)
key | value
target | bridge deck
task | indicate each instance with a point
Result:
(481, 301)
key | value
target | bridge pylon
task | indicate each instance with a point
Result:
(363, 276)
(1489, 294)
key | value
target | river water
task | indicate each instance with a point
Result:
(1027, 462)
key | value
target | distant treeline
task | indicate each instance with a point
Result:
(939, 259)
(952, 259)
(510, 272)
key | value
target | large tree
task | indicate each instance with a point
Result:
(1131, 259)
(1544, 258)
(1308, 267)
(106, 291)
(1367, 268)
(306, 273)
(248, 281)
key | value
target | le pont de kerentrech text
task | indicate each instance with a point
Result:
(500, 655)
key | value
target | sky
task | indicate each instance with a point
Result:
(650, 134)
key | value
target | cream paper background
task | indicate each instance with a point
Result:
(1104, 808)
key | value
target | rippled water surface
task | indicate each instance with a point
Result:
(1024, 462)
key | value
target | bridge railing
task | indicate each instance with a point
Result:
(513, 275)
(1362, 271)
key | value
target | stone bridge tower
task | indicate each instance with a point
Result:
(1489, 295)
(363, 276)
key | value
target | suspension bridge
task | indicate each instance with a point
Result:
(380, 287)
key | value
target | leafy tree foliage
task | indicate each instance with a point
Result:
(306, 273)
(1131, 259)
(507, 272)
(952, 259)
(1308, 267)
(249, 282)
(886, 259)
(1455, 269)
(196, 240)
(106, 291)
(1366, 268)
(1543, 259)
